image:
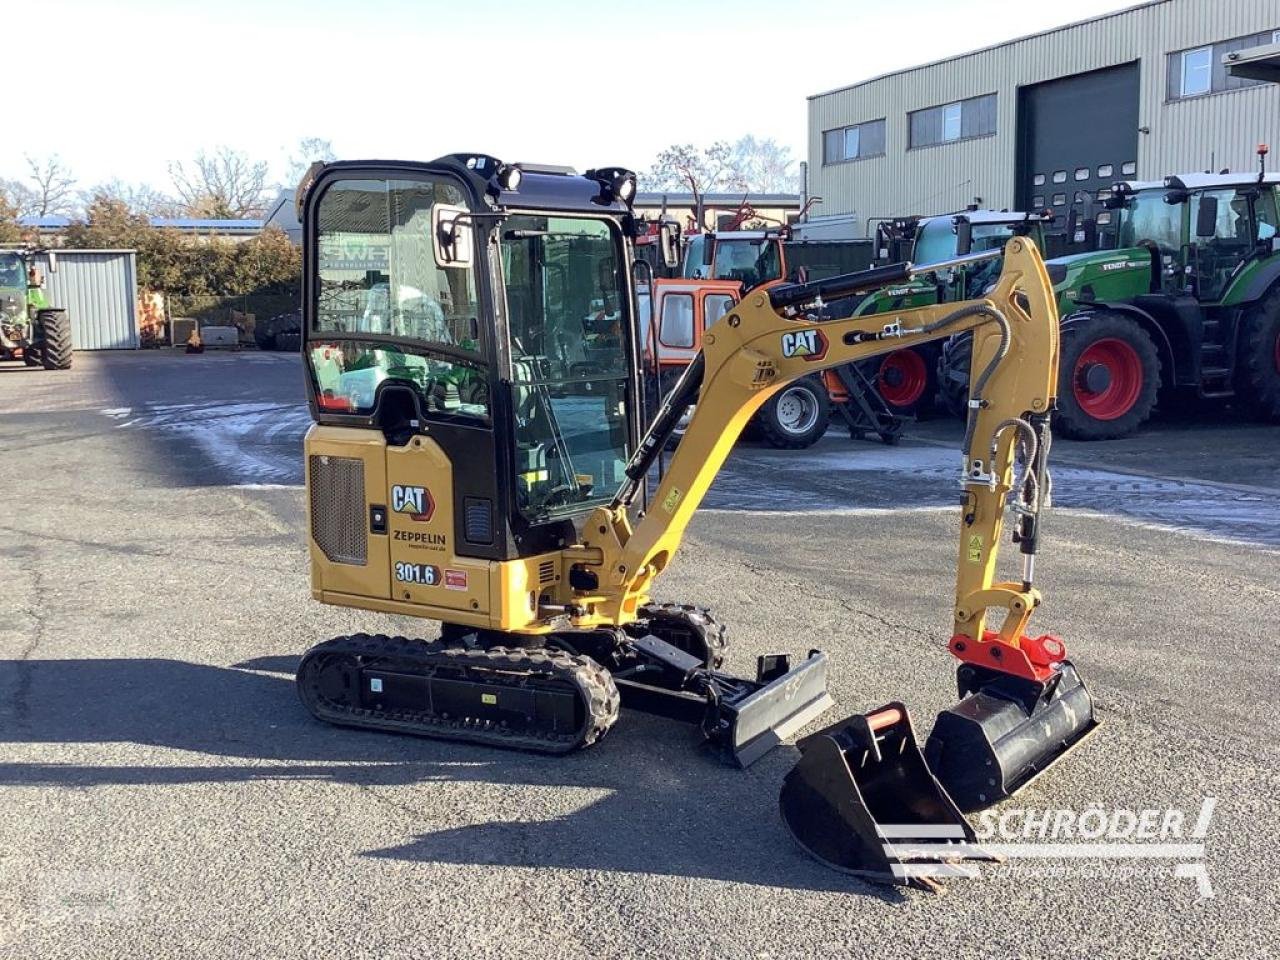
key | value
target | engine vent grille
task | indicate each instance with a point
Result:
(338, 509)
(547, 572)
(477, 520)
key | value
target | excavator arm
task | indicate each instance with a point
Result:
(863, 790)
(774, 337)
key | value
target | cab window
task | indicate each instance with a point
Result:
(715, 306)
(676, 328)
(385, 311)
(1265, 207)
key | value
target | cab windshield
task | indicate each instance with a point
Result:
(751, 261)
(1148, 217)
(569, 361)
(11, 274)
(937, 240)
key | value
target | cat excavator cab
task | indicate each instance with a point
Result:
(472, 353)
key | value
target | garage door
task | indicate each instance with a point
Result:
(1076, 136)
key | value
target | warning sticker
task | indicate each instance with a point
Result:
(455, 579)
(671, 500)
(975, 549)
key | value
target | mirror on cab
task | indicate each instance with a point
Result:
(1207, 217)
(453, 246)
(669, 243)
(708, 250)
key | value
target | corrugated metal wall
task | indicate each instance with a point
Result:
(99, 289)
(1219, 130)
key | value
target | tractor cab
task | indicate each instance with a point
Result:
(1204, 227)
(752, 258)
(468, 298)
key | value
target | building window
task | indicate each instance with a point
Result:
(962, 120)
(1200, 70)
(1037, 202)
(1059, 176)
(857, 142)
(1128, 169)
(1059, 199)
(1038, 180)
(1197, 72)
(1104, 171)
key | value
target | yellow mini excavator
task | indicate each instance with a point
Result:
(471, 345)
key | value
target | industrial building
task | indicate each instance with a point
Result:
(1052, 119)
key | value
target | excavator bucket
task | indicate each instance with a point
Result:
(1005, 731)
(862, 800)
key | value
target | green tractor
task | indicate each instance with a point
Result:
(907, 379)
(30, 330)
(1184, 304)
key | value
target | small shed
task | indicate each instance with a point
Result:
(99, 289)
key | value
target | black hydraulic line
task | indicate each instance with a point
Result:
(836, 288)
(1029, 522)
(682, 396)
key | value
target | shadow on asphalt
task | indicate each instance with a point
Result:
(659, 804)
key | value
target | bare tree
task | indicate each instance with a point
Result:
(766, 165)
(225, 185)
(52, 189)
(699, 172)
(138, 198)
(307, 152)
(19, 197)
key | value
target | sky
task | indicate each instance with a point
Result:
(138, 83)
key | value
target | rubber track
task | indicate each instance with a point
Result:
(499, 666)
(685, 617)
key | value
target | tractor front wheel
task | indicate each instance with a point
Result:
(796, 416)
(1108, 378)
(1258, 371)
(55, 339)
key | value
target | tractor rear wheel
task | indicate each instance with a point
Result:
(1258, 370)
(905, 379)
(953, 374)
(796, 416)
(55, 339)
(1108, 378)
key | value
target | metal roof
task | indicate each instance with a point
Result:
(186, 224)
(994, 46)
(1209, 181)
(249, 225)
(651, 198)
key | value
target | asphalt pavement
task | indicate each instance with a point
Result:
(163, 793)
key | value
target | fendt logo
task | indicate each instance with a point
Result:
(417, 502)
(810, 344)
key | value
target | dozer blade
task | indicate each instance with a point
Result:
(787, 701)
(1005, 731)
(862, 800)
